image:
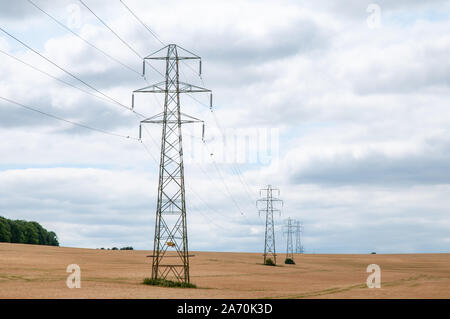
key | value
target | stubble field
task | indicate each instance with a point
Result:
(28, 271)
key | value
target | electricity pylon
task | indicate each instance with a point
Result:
(269, 200)
(298, 234)
(170, 226)
(289, 247)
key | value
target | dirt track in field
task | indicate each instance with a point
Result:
(28, 271)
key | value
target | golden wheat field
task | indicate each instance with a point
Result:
(28, 271)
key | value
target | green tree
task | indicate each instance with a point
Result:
(52, 239)
(5, 231)
(17, 232)
(23, 232)
(31, 234)
(42, 233)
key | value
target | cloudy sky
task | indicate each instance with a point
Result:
(354, 99)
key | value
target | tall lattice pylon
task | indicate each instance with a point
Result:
(268, 208)
(289, 246)
(298, 235)
(171, 238)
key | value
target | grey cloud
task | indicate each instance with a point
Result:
(18, 10)
(88, 213)
(90, 111)
(356, 9)
(110, 78)
(431, 166)
(388, 237)
(15, 116)
(11, 10)
(300, 37)
(428, 68)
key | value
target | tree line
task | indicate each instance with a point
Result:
(23, 232)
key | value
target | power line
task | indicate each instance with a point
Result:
(187, 185)
(226, 187)
(51, 76)
(145, 25)
(65, 120)
(158, 39)
(236, 167)
(86, 41)
(65, 71)
(118, 37)
(72, 75)
(246, 185)
(156, 36)
(107, 26)
(156, 163)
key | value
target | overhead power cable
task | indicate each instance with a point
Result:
(64, 70)
(152, 156)
(69, 73)
(118, 37)
(53, 77)
(222, 133)
(141, 22)
(159, 40)
(153, 33)
(86, 41)
(65, 120)
(107, 26)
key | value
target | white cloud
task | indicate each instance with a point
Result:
(358, 109)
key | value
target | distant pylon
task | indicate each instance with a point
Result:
(170, 226)
(289, 246)
(268, 209)
(298, 240)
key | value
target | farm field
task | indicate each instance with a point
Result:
(28, 271)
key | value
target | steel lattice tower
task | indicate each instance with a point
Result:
(171, 238)
(269, 200)
(298, 241)
(289, 246)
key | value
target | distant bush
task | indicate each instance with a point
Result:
(289, 261)
(168, 283)
(114, 248)
(373, 253)
(127, 248)
(270, 262)
(23, 232)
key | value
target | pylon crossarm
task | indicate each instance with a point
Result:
(273, 199)
(171, 58)
(157, 51)
(159, 86)
(182, 88)
(194, 56)
(186, 87)
(159, 119)
(165, 57)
